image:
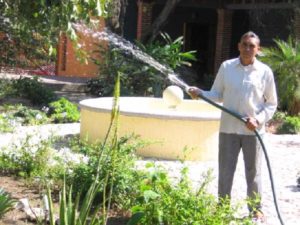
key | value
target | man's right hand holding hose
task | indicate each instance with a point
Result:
(194, 92)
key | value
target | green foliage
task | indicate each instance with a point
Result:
(284, 59)
(32, 89)
(6, 202)
(64, 111)
(139, 78)
(126, 176)
(19, 52)
(6, 88)
(162, 202)
(6, 123)
(28, 19)
(73, 212)
(13, 116)
(30, 116)
(279, 116)
(28, 158)
(169, 52)
(290, 125)
(69, 212)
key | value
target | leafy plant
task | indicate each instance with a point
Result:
(126, 176)
(6, 123)
(139, 78)
(69, 212)
(28, 19)
(161, 202)
(284, 59)
(13, 116)
(6, 202)
(33, 90)
(290, 125)
(30, 116)
(6, 88)
(64, 111)
(169, 52)
(28, 158)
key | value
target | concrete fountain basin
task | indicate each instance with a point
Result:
(188, 131)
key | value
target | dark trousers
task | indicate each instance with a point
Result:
(229, 149)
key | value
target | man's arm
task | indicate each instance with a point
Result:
(270, 97)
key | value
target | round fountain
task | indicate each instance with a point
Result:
(176, 128)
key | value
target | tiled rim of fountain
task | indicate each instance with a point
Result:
(141, 107)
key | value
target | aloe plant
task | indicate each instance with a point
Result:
(6, 202)
(73, 213)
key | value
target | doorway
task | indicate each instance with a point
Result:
(199, 37)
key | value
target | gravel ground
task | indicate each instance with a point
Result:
(284, 155)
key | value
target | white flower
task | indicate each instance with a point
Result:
(38, 116)
(64, 114)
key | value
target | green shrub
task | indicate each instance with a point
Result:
(284, 61)
(7, 123)
(32, 89)
(27, 158)
(30, 116)
(279, 116)
(126, 176)
(137, 77)
(163, 202)
(291, 125)
(5, 88)
(6, 202)
(17, 115)
(64, 111)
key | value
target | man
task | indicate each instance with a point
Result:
(245, 86)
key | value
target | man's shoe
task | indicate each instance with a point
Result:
(258, 217)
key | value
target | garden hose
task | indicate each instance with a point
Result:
(174, 79)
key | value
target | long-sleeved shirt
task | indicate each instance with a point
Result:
(249, 91)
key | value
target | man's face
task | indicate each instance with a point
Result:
(248, 47)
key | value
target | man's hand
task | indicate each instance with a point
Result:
(194, 92)
(251, 123)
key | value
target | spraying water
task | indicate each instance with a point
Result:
(130, 49)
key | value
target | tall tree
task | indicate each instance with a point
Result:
(48, 18)
(116, 16)
(161, 20)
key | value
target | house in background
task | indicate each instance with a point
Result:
(212, 27)
(68, 63)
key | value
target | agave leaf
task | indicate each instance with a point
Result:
(50, 206)
(6, 202)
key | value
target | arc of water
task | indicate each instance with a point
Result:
(126, 46)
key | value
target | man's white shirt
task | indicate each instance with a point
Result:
(249, 91)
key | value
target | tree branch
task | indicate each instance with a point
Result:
(154, 29)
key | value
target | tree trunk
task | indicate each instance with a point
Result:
(154, 29)
(116, 17)
(294, 108)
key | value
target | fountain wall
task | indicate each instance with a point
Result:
(189, 131)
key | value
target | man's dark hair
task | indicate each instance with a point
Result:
(252, 35)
